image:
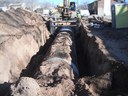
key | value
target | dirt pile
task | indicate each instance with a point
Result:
(55, 78)
(21, 35)
(52, 79)
(94, 85)
(25, 86)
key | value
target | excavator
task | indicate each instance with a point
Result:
(68, 16)
(67, 9)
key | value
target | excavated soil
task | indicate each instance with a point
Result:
(104, 66)
(22, 33)
(40, 64)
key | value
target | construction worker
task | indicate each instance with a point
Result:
(50, 12)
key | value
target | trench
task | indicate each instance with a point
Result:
(94, 63)
(81, 57)
(38, 57)
(91, 61)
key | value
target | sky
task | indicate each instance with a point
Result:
(57, 2)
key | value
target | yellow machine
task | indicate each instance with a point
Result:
(67, 9)
(68, 16)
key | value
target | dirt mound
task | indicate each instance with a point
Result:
(94, 86)
(55, 78)
(25, 86)
(51, 79)
(21, 35)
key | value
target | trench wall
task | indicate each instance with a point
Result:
(22, 33)
(97, 60)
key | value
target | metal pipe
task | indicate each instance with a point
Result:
(64, 25)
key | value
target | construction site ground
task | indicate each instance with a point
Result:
(31, 65)
(114, 40)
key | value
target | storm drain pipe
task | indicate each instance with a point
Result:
(68, 31)
(61, 58)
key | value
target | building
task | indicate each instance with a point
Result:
(17, 5)
(101, 7)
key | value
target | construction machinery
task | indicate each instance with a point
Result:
(67, 9)
(68, 16)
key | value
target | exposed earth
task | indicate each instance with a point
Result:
(31, 65)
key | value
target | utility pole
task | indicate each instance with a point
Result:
(77, 4)
(52, 3)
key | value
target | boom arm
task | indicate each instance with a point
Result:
(66, 3)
